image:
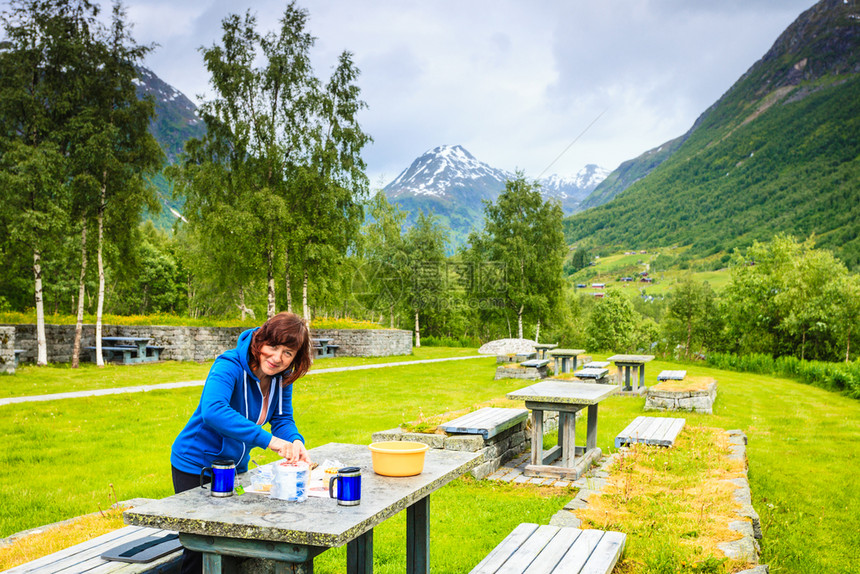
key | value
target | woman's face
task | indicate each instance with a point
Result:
(274, 360)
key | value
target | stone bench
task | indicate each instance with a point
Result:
(692, 394)
(18, 353)
(596, 365)
(595, 373)
(141, 550)
(554, 550)
(655, 431)
(671, 375)
(487, 422)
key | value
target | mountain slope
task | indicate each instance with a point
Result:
(451, 183)
(778, 152)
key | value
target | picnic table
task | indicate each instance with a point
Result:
(565, 357)
(627, 362)
(129, 350)
(567, 399)
(291, 534)
(323, 348)
(542, 348)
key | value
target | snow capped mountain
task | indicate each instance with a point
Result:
(446, 170)
(571, 190)
(450, 182)
(176, 118)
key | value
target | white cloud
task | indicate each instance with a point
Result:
(514, 82)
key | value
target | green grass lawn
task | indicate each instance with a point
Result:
(61, 378)
(59, 458)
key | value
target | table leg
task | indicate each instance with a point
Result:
(537, 437)
(641, 376)
(620, 377)
(211, 563)
(591, 429)
(574, 363)
(359, 554)
(418, 537)
(627, 384)
(567, 429)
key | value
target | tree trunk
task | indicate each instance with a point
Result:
(803, 346)
(287, 279)
(242, 308)
(270, 280)
(100, 262)
(537, 332)
(305, 310)
(417, 331)
(848, 346)
(508, 320)
(520, 322)
(689, 339)
(79, 322)
(41, 340)
(391, 315)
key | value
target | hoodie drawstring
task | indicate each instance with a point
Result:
(245, 383)
(280, 397)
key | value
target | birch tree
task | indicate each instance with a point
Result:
(258, 127)
(42, 63)
(524, 234)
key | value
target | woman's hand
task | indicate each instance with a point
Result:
(292, 452)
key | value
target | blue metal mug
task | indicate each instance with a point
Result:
(223, 477)
(349, 486)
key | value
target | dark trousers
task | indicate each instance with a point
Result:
(192, 562)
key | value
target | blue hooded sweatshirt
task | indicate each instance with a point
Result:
(224, 426)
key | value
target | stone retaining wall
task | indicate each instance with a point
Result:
(368, 342)
(518, 372)
(199, 343)
(7, 349)
(694, 401)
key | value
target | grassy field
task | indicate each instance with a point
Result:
(610, 268)
(59, 458)
(60, 378)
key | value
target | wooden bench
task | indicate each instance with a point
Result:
(161, 547)
(126, 353)
(488, 421)
(657, 431)
(533, 549)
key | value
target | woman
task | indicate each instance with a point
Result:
(246, 387)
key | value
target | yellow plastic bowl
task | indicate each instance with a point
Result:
(398, 458)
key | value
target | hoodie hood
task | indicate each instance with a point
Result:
(243, 348)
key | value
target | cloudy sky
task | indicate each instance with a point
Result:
(514, 82)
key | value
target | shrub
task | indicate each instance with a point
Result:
(464, 341)
(840, 377)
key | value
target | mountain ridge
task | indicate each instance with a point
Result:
(778, 152)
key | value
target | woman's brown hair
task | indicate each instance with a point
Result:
(289, 330)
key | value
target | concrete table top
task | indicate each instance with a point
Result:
(566, 352)
(317, 521)
(631, 359)
(545, 345)
(564, 393)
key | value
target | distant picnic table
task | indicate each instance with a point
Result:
(323, 348)
(127, 350)
(626, 363)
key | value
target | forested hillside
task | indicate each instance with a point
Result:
(778, 152)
